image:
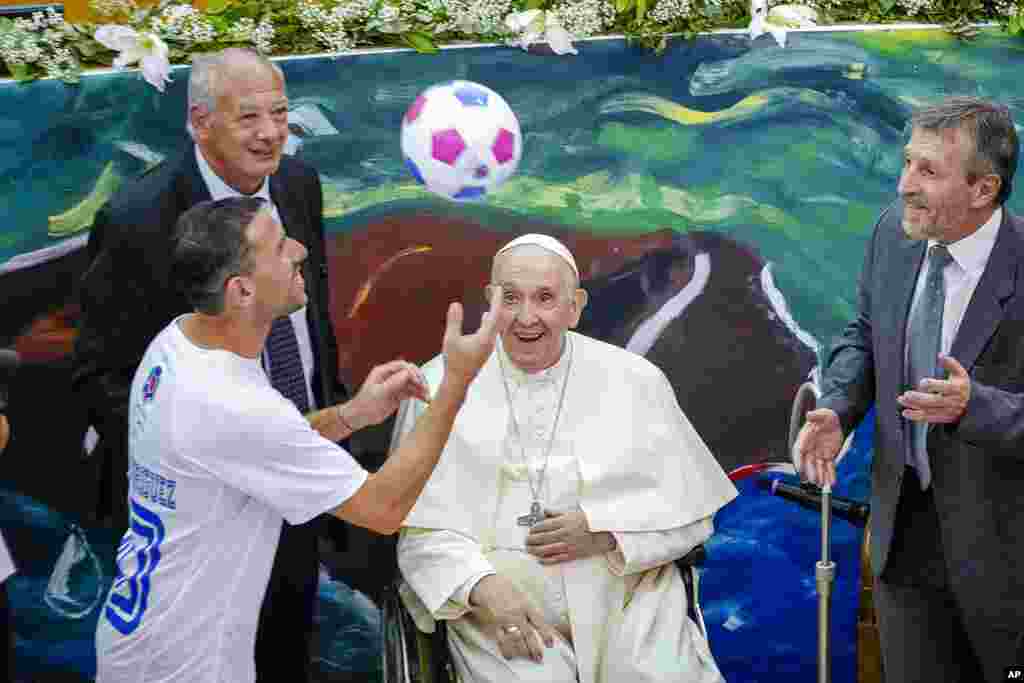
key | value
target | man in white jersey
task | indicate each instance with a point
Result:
(571, 482)
(218, 457)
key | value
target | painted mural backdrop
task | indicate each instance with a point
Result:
(718, 199)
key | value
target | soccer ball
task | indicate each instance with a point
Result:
(461, 140)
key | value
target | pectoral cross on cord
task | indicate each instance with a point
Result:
(536, 515)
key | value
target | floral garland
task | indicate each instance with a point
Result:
(153, 37)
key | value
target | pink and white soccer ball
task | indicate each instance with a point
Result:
(461, 140)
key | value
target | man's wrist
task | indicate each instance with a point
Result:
(473, 594)
(454, 386)
(349, 422)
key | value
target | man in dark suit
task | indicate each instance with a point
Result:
(238, 115)
(8, 364)
(938, 346)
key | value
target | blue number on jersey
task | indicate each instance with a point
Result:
(129, 595)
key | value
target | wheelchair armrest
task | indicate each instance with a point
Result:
(694, 558)
(407, 650)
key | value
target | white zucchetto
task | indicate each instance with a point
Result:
(544, 242)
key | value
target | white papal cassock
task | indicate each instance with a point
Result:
(625, 454)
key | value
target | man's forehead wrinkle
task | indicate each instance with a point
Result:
(250, 102)
(525, 286)
(939, 152)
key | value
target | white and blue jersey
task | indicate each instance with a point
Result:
(217, 459)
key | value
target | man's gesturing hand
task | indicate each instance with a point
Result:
(385, 388)
(512, 620)
(563, 537)
(818, 444)
(941, 401)
(465, 354)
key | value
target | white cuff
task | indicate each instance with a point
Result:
(458, 603)
(640, 551)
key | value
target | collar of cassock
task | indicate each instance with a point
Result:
(518, 377)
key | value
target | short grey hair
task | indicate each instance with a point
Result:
(207, 70)
(990, 127)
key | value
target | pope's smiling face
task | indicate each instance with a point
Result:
(541, 290)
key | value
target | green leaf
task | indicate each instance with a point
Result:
(220, 24)
(534, 4)
(22, 72)
(87, 48)
(419, 41)
(886, 5)
(641, 10)
(216, 6)
(624, 5)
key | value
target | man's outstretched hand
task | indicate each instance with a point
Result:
(385, 388)
(465, 354)
(818, 444)
(939, 401)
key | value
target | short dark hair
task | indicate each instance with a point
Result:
(988, 124)
(210, 246)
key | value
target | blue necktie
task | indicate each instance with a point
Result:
(286, 373)
(924, 334)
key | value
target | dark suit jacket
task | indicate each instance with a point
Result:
(978, 463)
(127, 298)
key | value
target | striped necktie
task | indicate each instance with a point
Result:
(286, 373)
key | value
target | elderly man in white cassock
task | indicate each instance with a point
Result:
(570, 483)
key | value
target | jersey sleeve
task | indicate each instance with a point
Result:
(266, 448)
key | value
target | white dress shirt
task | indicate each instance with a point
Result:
(221, 190)
(961, 276)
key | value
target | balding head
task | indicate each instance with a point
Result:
(212, 70)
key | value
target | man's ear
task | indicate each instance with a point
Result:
(199, 117)
(579, 302)
(238, 292)
(986, 190)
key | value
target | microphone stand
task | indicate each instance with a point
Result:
(824, 573)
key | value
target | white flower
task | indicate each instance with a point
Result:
(583, 18)
(388, 20)
(793, 16)
(477, 16)
(558, 38)
(667, 11)
(183, 24)
(145, 48)
(760, 25)
(530, 25)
